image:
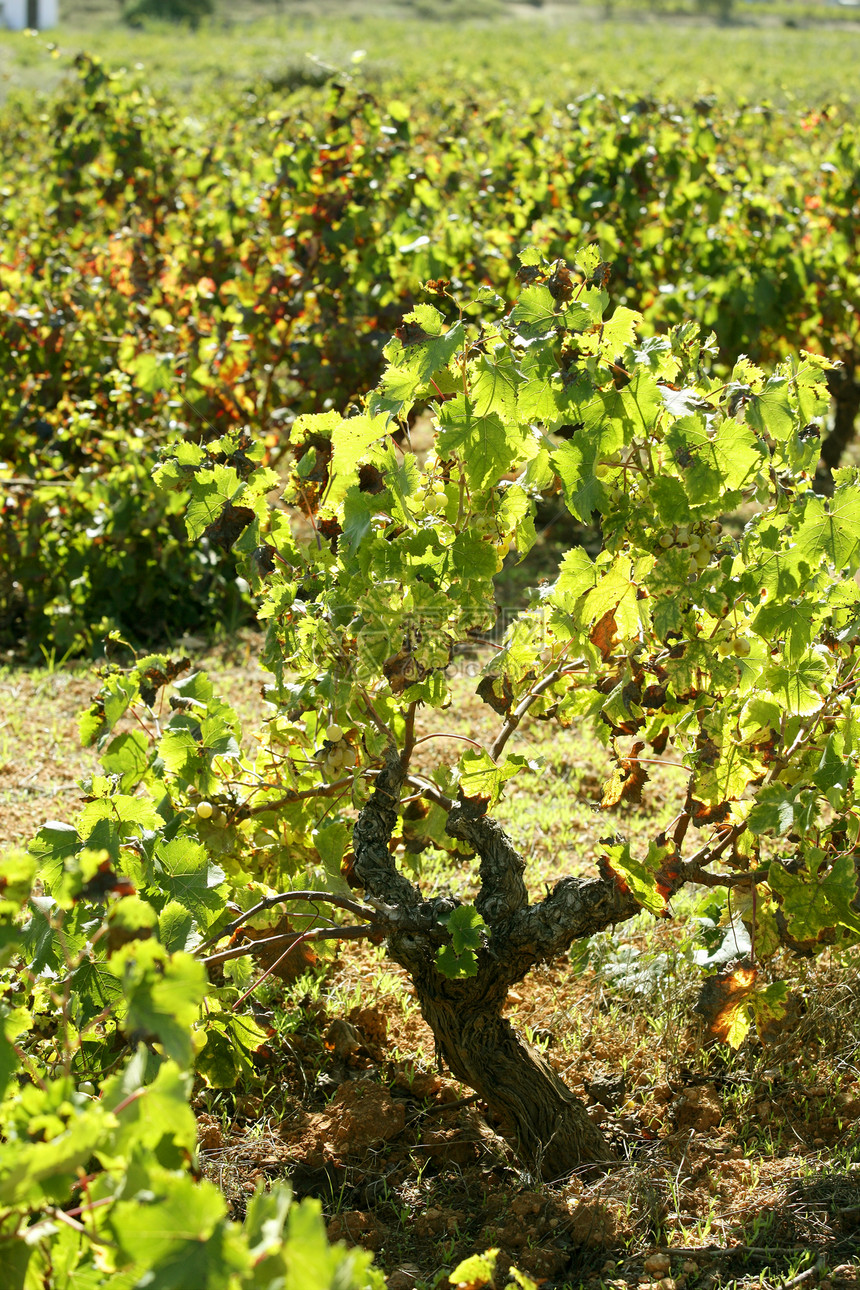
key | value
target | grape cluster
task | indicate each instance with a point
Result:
(206, 810)
(700, 541)
(337, 753)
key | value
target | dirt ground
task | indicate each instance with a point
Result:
(733, 1168)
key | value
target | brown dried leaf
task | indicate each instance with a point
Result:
(232, 521)
(604, 634)
(401, 671)
(497, 692)
(297, 959)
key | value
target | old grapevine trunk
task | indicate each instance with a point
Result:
(532, 1109)
(545, 1124)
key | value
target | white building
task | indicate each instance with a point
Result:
(37, 14)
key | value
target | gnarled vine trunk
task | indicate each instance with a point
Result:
(535, 1112)
(530, 1106)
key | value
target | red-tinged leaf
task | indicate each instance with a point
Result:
(347, 869)
(497, 692)
(721, 1003)
(703, 814)
(607, 870)
(105, 881)
(626, 782)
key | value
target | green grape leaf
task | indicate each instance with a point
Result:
(466, 927)
(779, 809)
(127, 756)
(33, 1174)
(177, 928)
(211, 490)
(217, 1062)
(123, 816)
(163, 993)
(834, 774)
(770, 411)
(476, 1271)
(638, 877)
(187, 875)
(154, 1109)
(94, 988)
(790, 621)
(352, 442)
(52, 847)
(536, 312)
(813, 904)
(175, 1228)
(493, 386)
(799, 688)
(451, 964)
(831, 528)
(482, 779)
(489, 446)
(541, 388)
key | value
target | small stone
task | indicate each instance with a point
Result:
(209, 1134)
(528, 1202)
(609, 1090)
(372, 1022)
(698, 1109)
(363, 1115)
(658, 1264)
(357, 1228)
(689, 1267)
(405, 1278)
(454, 1146)
(421, 1084)
(342, 1039)
(592, 1225)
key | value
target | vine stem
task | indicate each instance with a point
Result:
(520, 711)
(444, 734)
(409, 740)
(428, 790)
(63, 1217)
(324, 790)
(316, 934)
(340, 902)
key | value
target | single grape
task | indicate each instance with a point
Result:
(205, 810)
